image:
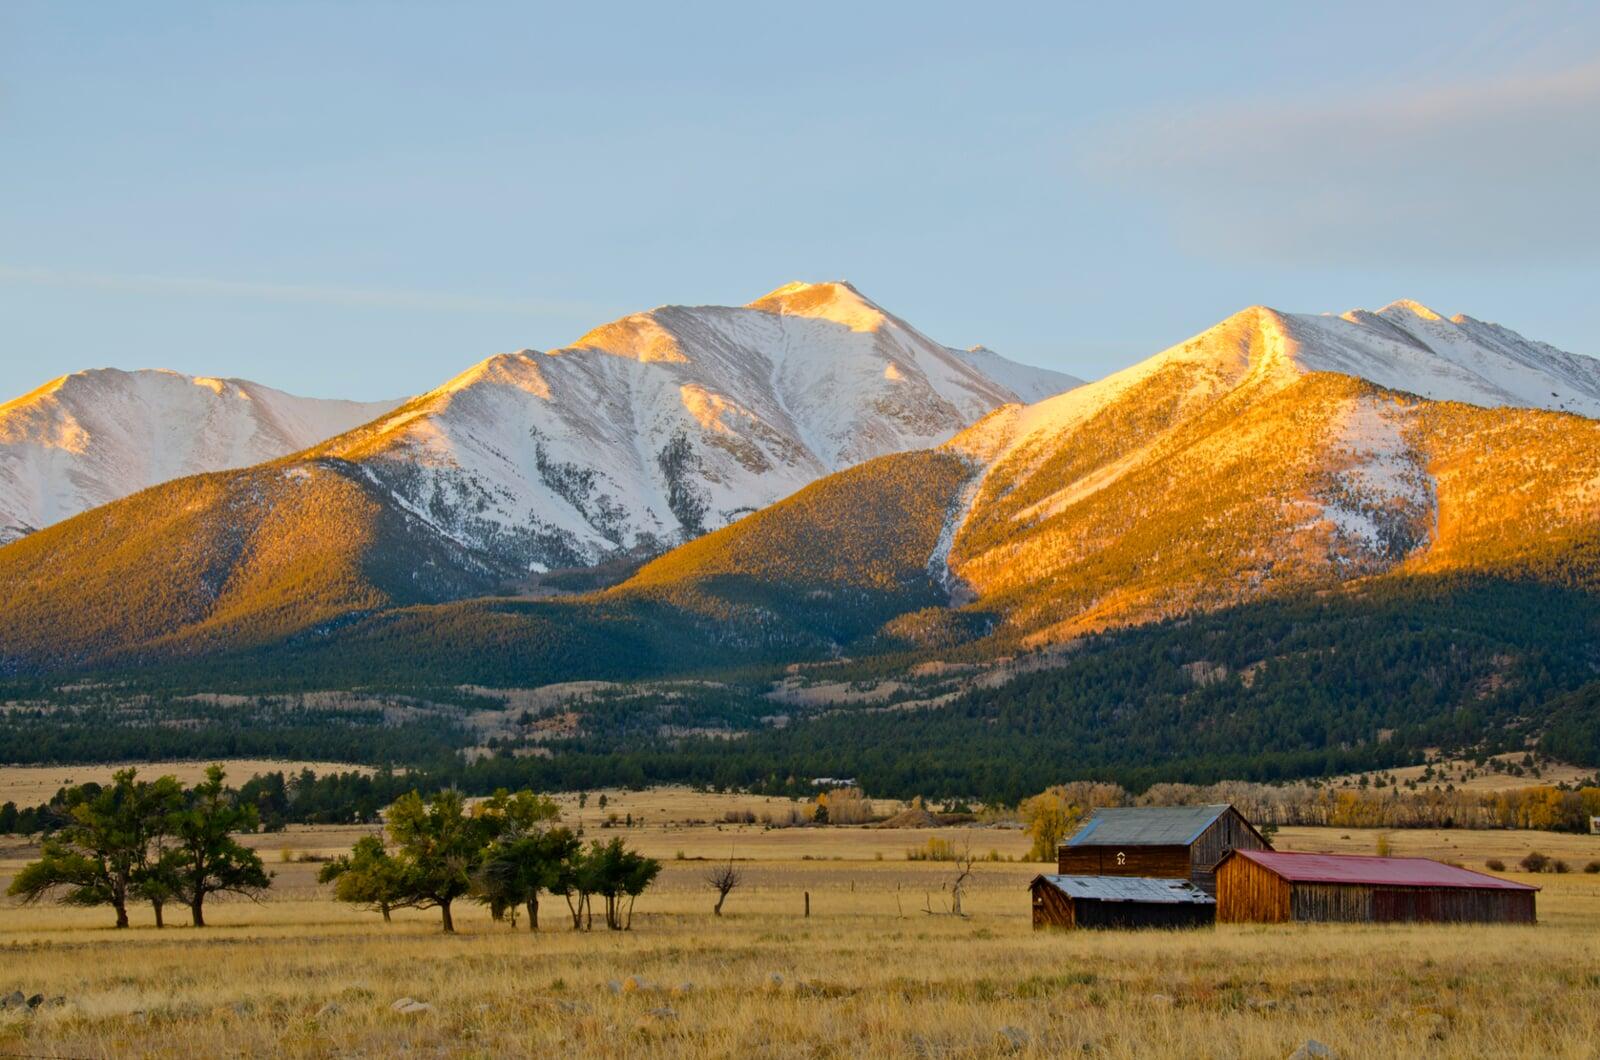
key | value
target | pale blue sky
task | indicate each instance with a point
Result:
(359, 200)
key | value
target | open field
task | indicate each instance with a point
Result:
(868, 974)
(1464, 774)
(31, 785)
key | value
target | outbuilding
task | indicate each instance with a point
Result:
(1274, 887)
(1166, 842)
(1119, 902)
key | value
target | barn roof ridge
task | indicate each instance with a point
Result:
(1311, 867)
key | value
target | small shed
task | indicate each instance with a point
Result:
(1166, 842)
(1274, 887)
(1119, 902)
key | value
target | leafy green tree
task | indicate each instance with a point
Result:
(524, 858)
(209, 860)
(438, 847)
(156, 878)
(98, 856)
(614, 872)
(516, 870)
(367, 876)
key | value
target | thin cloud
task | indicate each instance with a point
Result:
(1501, 170)
(357, 297)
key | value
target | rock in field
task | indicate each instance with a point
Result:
(1312, 1049)
(410, 1006)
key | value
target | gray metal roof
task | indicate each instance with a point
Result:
(1129, 889)
(1134, 826)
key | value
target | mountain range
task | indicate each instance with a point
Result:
(1271, 455)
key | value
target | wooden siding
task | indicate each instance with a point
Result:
(1051, 908)
(1228, 832)
(1121, 915)
(1248, 893)
(1164, 862)
(1252, 893)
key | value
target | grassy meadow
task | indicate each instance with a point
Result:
(869, 973)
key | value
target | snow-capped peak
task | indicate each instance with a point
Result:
(1403, 308)
(667, 423)
(94, 436)
(835, 300)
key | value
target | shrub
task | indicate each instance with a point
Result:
(935, 849)
(1592, 868)
(1560, 866)
(1495, 865)
(1534, 862)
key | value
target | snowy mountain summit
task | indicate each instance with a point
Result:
(93, 437)
(663, 425)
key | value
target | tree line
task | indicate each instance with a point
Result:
(151, 841)
(504, 852)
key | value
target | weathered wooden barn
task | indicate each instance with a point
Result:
(1119, 902)
(1273, 887)
(1165, 842)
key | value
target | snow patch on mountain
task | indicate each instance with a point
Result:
(1378, 499)
(663, 425)
(92, 437)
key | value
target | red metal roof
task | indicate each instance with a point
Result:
(1383, 872)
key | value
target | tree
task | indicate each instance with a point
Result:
(723, 879)
(98, 856)
(1047, 818)
(367, 876)
(515, 870)
(209, 860)
(613, 871)
(438, 847)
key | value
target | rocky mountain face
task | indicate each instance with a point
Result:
(1278, 452)
(656, 428)
(93, 437)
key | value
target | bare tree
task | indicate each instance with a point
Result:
(724, 879)
(957, 887)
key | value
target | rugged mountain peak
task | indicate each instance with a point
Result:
(643, 337)
(832, 300)
(98, 435)
(661, 425)
(1408, 308)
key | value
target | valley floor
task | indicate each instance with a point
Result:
(869, 973)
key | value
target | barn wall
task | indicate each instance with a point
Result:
(1164, 862)
(1092, 914)
(1452, 905)
(1228, 832)
(1359, 903)
(1051, 908)
(1348, 902)
(1249, 893)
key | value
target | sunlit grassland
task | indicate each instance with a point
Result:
(869, 973)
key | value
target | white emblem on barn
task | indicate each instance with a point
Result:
(1122, 859)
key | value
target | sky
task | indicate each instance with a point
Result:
(362, 199)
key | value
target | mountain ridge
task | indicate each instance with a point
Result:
(95, 436)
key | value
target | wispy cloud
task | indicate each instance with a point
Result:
(356, 297)
(1501, 169)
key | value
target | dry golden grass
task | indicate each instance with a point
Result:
(868, 974)
(32, 785)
